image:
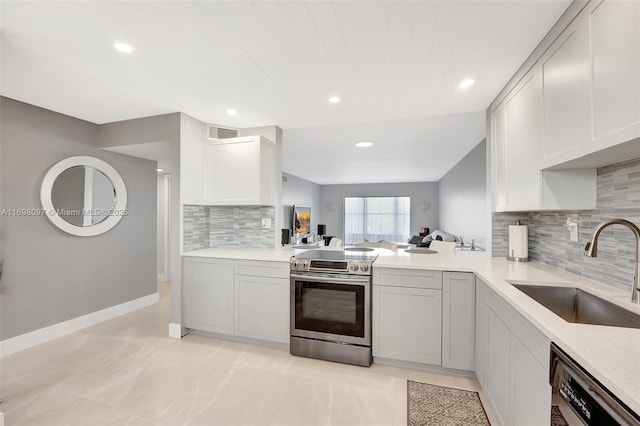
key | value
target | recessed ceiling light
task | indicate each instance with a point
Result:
(231, 111)
(334, 99)
(364, 144)
(160, 170)
(466, 83)
(123, 47)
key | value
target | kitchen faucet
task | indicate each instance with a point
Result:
(591, 250)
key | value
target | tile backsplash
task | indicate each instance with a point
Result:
(227, 226)
(618, 196)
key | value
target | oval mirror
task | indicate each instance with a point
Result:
(83, 196)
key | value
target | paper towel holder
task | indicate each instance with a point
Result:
(514, 258)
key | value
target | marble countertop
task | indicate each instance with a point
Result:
(610, 354)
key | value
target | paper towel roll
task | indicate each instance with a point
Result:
(518, 243)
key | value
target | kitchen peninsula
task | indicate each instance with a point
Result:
(610, 354)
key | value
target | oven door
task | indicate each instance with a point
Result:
(331, 307)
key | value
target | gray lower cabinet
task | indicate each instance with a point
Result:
(407, 315)
(242, 298)
(458, 320)
(208, 294)
(512, 358)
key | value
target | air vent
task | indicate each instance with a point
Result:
(284, 178)
(214, 132)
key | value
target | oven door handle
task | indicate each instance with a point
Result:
(331, 280)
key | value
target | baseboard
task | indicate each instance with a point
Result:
(421, 366)
(33, 338)
(175, 330)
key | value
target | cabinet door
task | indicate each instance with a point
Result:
(458, 320)
(530, 390)
(523, 141)
(498, 365)
(498, 154)
(208, 294)
(407, 324)
(233, 171)
(482, 333)
(262, 308)
(566, 95)
(614, 30)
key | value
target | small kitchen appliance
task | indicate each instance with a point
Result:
(331, 305)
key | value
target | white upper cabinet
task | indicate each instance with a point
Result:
(564, 68)
(240, 171)
(614, 37)
(523, 151)
(519, 182)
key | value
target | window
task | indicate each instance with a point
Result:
(376, 219)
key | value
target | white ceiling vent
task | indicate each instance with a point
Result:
(214, 132)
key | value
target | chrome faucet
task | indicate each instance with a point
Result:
(591, 250)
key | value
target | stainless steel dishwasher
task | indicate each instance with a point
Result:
(581, 398)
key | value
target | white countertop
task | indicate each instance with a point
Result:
(610, 354)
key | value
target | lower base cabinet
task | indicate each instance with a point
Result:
(407, 315)
(407, 324)
(237, 298)
(262, 308)
(516, 381)
(208, 294)
(458, 320)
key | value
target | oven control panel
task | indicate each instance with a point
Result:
(359, 267)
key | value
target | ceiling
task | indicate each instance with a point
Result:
(278, 63)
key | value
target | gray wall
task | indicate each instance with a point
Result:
(463, 197)
(302, 192)
(418, 191)
(50, 276)
(618, 187)
(160, 128)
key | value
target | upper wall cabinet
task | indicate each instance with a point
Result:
(614, 38)
(564, 69)
(240, 171)
(517, 135)
(591, 78)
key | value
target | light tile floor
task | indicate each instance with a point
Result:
(128, 372)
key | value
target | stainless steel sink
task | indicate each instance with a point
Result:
(577, 306)
(420, 250)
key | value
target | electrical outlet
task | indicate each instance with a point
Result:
(266, 223)
(573, 231)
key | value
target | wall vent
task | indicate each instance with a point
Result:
(214, 132)
(284, 178)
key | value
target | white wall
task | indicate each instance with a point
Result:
(333, 195)
(302, 192)
(463, 198)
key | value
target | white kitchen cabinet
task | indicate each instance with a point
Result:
(262, 308)
(240, 171)
(458, 320)
(512, 358)
(614, 38)
(565, 72)
(519, 182)
(407, 324)
(261, 303)
(208, 294)
(498, 367)
(498, 159)
(523, 149)
(530, 393)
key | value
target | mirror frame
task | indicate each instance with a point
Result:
(103, 167)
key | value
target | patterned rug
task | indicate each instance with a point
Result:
(437, 405)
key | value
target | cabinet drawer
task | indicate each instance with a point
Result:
(416, 278)
(261, 268)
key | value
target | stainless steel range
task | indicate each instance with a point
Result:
(331, 305)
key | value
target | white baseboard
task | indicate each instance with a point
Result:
(33, 338)
(175, 330)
